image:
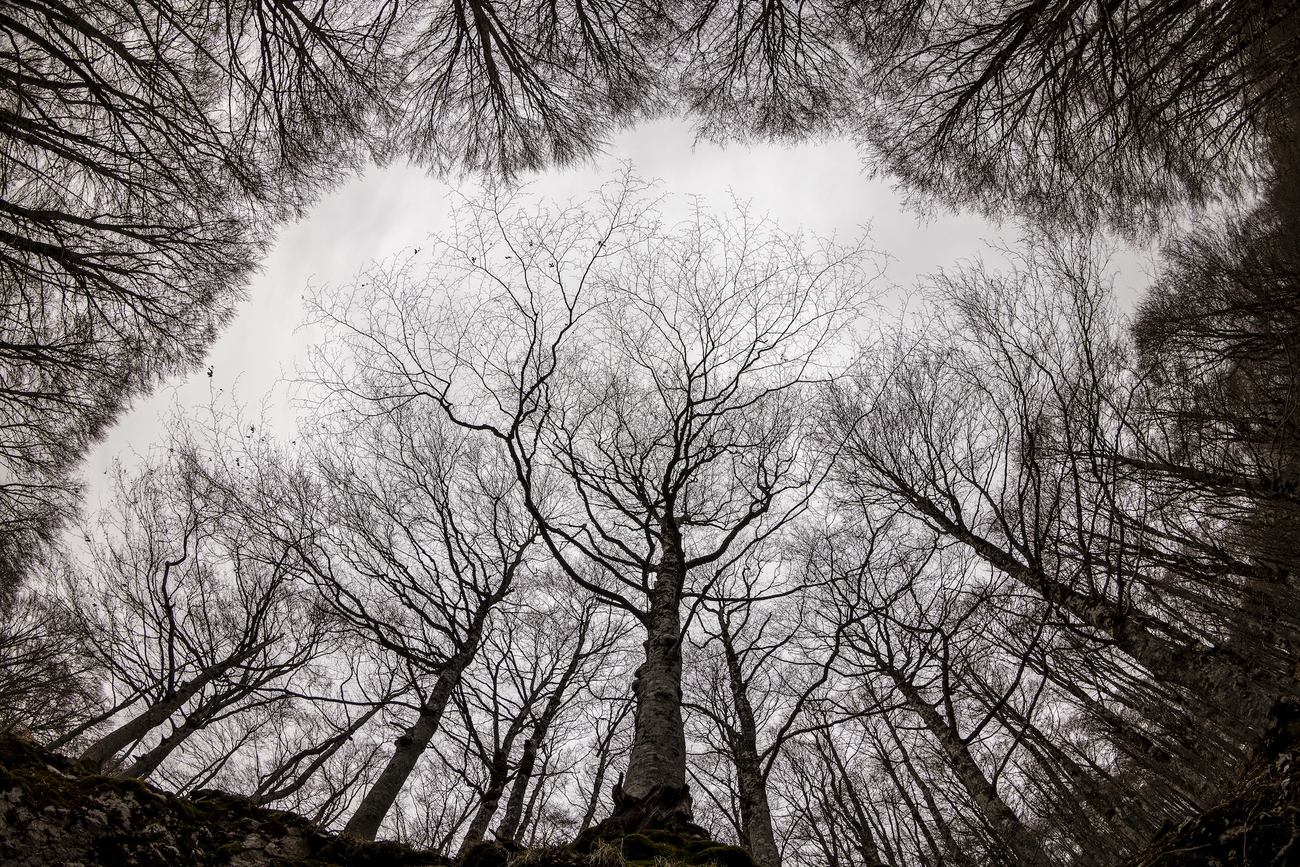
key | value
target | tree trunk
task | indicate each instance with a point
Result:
(524, 773)
(846, 794)
(755, 812)
(156, 714)
(149, 762)
(498, 775)
(1221, 678)
(408, 748)
(1006, 824)
(603, 761)
(654, 794)
(658, 759)
(267, 793)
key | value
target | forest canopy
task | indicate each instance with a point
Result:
(598, 523)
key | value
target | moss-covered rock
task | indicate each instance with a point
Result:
(654, 848)
(1258, 826)
(52, 813)
(486, 855)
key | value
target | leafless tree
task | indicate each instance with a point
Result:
(996, 436)
(526, 675)
(46, 688)
(183, 607)
(1069, 112)
(149, 150)
(422, 535)
(764, 655)
(645, 385)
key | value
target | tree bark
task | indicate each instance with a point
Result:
(1006, 824)
(658, 759)
(408, 748)
(149, 762)
(751, 786)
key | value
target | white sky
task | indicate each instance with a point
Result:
(820, 187)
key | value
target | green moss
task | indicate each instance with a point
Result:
(639, 847)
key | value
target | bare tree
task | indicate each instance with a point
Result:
(47, 690)
(421, 537)
(996, 436)
(149, 150)
(773, 654)
(645, 385)
(1069, 112)
(182, 606)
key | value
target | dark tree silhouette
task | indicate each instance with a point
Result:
(645, 384)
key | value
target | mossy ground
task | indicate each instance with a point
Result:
(1258, 826)
(110, 821)
(96, 820)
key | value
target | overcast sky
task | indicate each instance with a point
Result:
(821, 187)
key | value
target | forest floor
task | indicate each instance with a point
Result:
(52, 814)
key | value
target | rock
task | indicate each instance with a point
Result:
(53, 816)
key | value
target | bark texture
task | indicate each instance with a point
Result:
(1006, 824)
(658, 760)
(664, 808)
(408, 748)
(751, 783)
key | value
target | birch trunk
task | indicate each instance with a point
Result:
(1006, 824)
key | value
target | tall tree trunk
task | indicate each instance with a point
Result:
(751, 786)
(850, 803)
(408, 748)
(71, 735)
(498, 776)
(1006, 824)
(267, 793)
(1223, 679)
(156, 714)
(658, 760)
(528, 760)
(654, 795)
(519, 789)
